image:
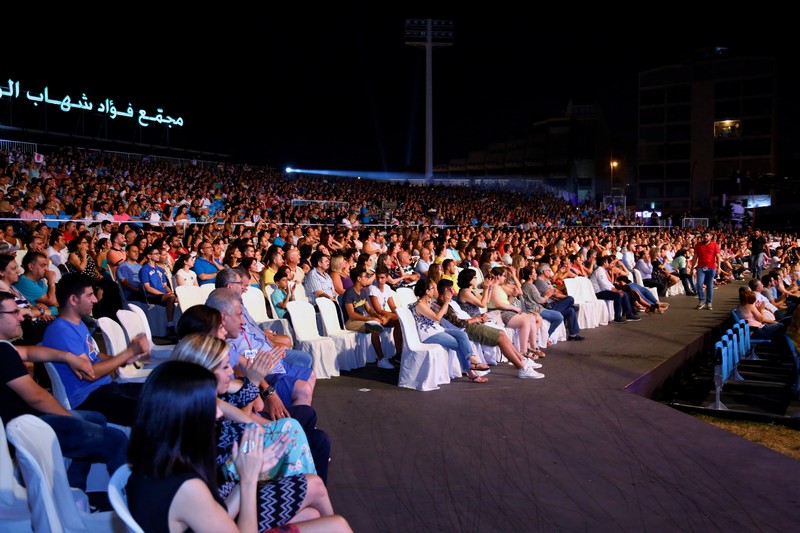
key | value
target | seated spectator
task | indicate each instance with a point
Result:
(604, 289)
(428, 317)
(362, 317)
(83, 436)
(340, 274)
(682, 266)
(190, 484)
(645, 267)
(382, 300)
(207, 320)
(760, 326)
(128, 275)
(527, 323)
(477, 331)
(37, 283)
(156, 287)
(68, 333)
(553, 306)
(206, 266)
(182, 273)
(284, 292)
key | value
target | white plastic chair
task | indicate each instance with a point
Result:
(423, 367)
(255, 303)
(350, 353)
(119, 499)
(156, 316)
(591, 311)
(52, 502)
(114, 337)
(322, 349)
(14, 513)
(637, 278)
(405, 296)
(189, 295)
(134, 322)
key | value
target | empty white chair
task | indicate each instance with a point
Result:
(114, 337)
(405, 296)
(14, 513)
(591, 311)
(119, 499)
(300, 293)
(134, 322)
(255, 303)
(308, 339)
(189, 295)
(423, 367)
(52, 502)
(346, 341)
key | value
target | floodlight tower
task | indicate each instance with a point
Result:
(428, 33)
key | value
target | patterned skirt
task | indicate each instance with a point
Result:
(278, 499)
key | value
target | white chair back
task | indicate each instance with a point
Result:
(14, 512)
(256, 305)
(119, 499)
(114, 337)
(189, 295)
(406, 296)
(423, 367)
(134, 322)
(52, 503)
(322, 349)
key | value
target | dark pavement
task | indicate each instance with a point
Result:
(584, 449)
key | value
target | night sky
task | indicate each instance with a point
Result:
(344, 91)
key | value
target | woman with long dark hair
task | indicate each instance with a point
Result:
(173, 484)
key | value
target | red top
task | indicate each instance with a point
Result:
(705, 255)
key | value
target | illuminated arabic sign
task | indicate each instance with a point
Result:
(105, 107)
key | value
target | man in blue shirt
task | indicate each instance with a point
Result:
(68, 333)
(155, 284)
(205, 266)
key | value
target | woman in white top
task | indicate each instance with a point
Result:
(526, 324)
(183, 273)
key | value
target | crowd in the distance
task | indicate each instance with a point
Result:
(97, 229)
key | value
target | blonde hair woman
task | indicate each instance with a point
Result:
(294, 478)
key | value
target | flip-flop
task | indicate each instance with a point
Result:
(477, 379)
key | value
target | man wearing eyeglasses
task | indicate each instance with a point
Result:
(205, 266)
(83, 436)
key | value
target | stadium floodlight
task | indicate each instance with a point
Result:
(289, 170)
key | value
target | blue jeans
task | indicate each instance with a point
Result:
(85, 438)
(757, 265)
(454, 339)
(705, 276)
(554, 317)
(565, 307)
(647, 294)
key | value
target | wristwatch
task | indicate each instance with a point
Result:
(270, 391)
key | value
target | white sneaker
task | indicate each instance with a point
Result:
(529, 373)
(386, 364)
(530, 363)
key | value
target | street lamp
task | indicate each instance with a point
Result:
(614, 165)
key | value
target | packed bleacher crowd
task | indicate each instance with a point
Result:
(476, 271)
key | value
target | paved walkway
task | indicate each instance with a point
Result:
(584, 449)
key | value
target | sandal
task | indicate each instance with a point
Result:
(475, 378)
(479, 366)
(536, 352)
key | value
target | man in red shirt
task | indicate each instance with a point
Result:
(706, 262)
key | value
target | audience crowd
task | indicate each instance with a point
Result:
(96, 229)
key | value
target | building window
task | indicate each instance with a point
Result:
(727, 129)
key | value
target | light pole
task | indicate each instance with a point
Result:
(614, 165)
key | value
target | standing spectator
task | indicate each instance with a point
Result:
(758, 251)
(707, 257)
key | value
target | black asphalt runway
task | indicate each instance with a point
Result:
(585, 449)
